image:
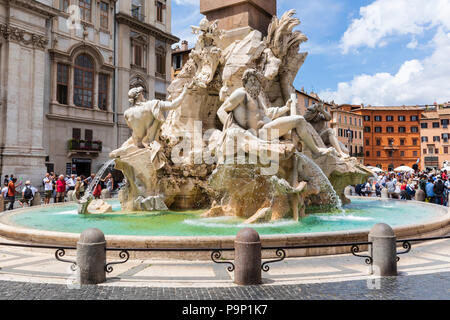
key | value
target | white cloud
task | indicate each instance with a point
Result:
(416, 82)
(188, 2)
(412, 44)
(385, 18)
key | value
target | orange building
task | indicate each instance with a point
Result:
(391, 136)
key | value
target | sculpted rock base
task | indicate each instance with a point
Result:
(99, 206)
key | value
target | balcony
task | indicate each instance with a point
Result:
(391, 147)
(86, 147)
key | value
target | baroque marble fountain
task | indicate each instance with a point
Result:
(229, 149)
(230, 139)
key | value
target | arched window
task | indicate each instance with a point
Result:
(83, 83)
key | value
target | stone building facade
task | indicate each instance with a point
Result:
(391, 136)
(434, 137)
(24, 83)
(66, 67)
(348, 128)
(143, 53)
(180, 55)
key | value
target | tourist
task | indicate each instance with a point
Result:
(97, 191)
(60, 189)
(48, 188)
(403, 193)
(368, 189)
(6, 180)
(377, 189)
(12, 193)
(411, 189)
(77, 188)
(82, 185)
(390, 185)
(438, 190)
(109, 182)
(4, 193)
(429, 190)
(28, 193)
(88, 180)
(423, 182)
(71, 182)
(54, 179)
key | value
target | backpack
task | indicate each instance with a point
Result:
(28, 194)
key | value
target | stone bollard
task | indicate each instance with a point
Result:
(420, 195)
(91, 257)
(247, 257)
(384, 250)
(71, 195)
(384, 193)
(2, 203)
(105, 194)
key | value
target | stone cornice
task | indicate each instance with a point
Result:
(35, 6)
(146, 28)
(12, 33)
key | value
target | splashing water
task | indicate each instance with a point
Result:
(97, 178)
(324, 183)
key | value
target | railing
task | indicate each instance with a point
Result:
(281, 253)
(85, 145)
(406, 243)
(216, 253)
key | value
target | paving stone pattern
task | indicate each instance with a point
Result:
(428, 286)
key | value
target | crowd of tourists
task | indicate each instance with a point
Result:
(55, 187)
(406, 185)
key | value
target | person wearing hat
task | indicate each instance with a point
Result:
(27, 194)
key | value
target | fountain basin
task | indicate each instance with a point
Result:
(409, 219)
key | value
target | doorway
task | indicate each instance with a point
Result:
(81, 167)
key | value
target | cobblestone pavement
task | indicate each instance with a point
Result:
(36, 274)
(429, 286)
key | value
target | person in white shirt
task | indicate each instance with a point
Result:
(70, 183)
(5, 190)
(48, 187)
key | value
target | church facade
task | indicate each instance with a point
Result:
(65, 69)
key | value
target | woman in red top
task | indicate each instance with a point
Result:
(403, 192)
(97, 191)
(60, 189)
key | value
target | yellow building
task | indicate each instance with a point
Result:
(434, 136)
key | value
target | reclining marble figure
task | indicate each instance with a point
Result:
(246, 109)
(319, 117)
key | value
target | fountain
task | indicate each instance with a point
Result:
(232, 141)
(84, 202)
(230, 150)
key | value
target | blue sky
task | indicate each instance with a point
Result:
(378, 52)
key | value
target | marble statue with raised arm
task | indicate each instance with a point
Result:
(319, 117)
(145, 118)
(246, 108)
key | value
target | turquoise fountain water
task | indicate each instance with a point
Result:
(360, 214)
